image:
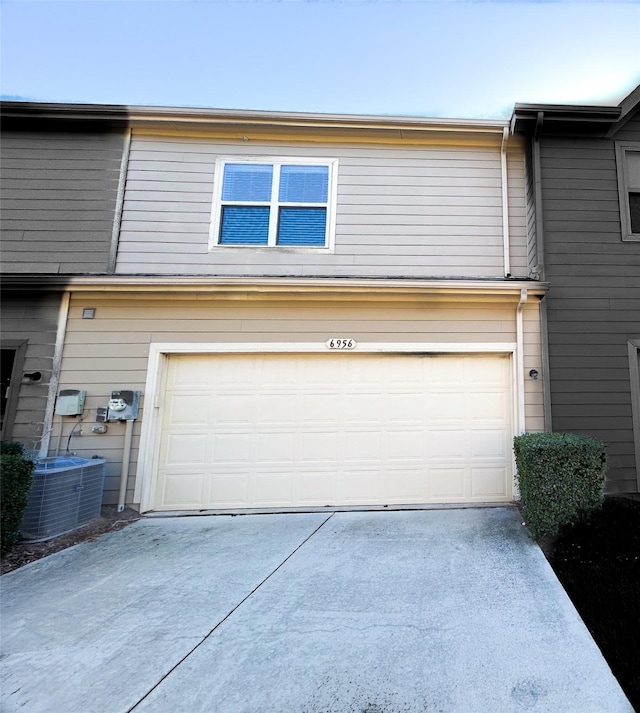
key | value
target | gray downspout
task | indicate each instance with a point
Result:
(539, 213)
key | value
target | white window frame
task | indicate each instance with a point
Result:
(275, 204)
(623, 187)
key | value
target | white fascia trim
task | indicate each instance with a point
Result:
(179, 283)
(171, 115)
(158, 351)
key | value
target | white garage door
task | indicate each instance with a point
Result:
(285, 430)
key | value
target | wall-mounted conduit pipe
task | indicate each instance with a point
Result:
(126, 461)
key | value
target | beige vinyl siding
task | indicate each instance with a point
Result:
(111, 351)
(401, 211)
(58, 200)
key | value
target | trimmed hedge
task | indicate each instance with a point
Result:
(561, 479)
(15, 482)
(11, 448)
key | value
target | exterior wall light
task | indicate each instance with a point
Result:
(534, 375)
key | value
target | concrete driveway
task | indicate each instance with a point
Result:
(370, 612)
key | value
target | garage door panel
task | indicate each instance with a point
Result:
(232, 448)
(232, 409)
(487, 443)
(274, 489)
(364, 373)
(319, 408)
(228, 489)
(404, 485)
(446, 372)
(447, 485)
(447, 405)
(316, 487)
(278, 430)
(189, 409)
(489, 482)
(359, 407)
(448, 444)
(276, 448)
(404, 445)
(360, 486)
(186, 448)
(184, 489)
(487, 405)
(486, 371)
(406, 409)
(277, 409)
(361, 447)
(318, 448)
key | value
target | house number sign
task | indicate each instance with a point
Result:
(341, 343)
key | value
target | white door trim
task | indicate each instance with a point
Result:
(156, 368)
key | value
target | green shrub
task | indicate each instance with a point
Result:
(11, 448)
(15, 482)
(561, 479)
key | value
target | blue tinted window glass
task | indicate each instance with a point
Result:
(247, 182)
(304, 184)
(302, 226)
(244, 225)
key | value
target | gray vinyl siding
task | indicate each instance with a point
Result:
(58, 192)
(419, 211)
(31, 317)
(594, 300)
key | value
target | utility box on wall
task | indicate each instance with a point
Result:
(70, 402)
(123, 405)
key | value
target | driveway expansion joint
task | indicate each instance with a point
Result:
(240, 603)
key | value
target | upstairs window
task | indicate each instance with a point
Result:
(628, 165)
(284, 203)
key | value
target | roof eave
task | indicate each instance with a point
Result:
(143, 115)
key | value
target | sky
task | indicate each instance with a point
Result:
(450, 58)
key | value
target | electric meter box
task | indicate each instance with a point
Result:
(71, 402)
(123, 405)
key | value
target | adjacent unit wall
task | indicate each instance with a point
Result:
(58, 191)
(403, 210)
(112, 351)
(594, 300)
(31, 318)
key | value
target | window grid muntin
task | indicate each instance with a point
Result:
(275, 205)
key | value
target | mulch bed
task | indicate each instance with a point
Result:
(110, 520)
(598, 563)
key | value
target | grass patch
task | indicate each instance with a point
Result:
(598, 563)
